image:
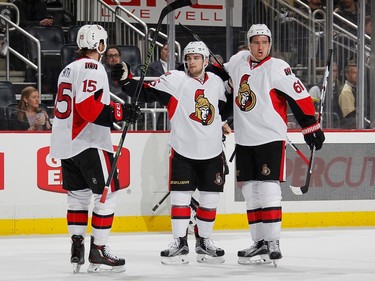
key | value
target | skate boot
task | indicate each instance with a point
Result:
(274, 251)
(176, 253)
(257, 253)
(208, 252)
(77, 252)
(101, 260)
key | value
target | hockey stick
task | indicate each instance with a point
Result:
(305, 188)
(166, 10)
(161, 201)
(299, 152)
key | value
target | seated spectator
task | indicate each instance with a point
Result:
(111, 57)
(218, 57)
(348, 9)
(33, 12)
(347, 97)
(29, 115)
(159, 67)
(315, 93)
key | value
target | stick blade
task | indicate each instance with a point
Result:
(174, 6)
(296, 190)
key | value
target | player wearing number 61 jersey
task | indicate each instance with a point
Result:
(262, 88)
(81, 139)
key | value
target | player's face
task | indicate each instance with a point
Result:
(259, 47)
(195, 64)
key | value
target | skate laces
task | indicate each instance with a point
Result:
(175, 244)
(273, 246)
(209, 244)
(107, 253)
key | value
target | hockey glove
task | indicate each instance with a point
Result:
(120, 71)
(125, 112)
(314, 136)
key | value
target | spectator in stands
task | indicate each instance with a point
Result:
(156, 69)
(111, 57)
(33, 12)
(315, 92)
(313, 5)
(218, 57)
(348, 9)
(159, 67)
(29, 114)
(347, 96)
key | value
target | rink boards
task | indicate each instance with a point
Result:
(33, 202)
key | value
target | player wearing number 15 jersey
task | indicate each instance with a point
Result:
(81, 139)
(262, 88)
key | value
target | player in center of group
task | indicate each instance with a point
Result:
(195, 100)
(262, 87)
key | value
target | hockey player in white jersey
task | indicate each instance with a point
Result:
(81, 138)
(262, 87)
(194, 99)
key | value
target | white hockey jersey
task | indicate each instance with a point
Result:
(83, 81)
(196, 126)
(260, 94)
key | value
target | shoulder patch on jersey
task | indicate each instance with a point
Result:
(66, 72)
(91, 65)
(288, 71)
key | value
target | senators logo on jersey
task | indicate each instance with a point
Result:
(246, 98)
(204, 110)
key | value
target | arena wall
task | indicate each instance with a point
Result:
(33, 202)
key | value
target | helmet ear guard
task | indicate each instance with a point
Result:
(90, 36)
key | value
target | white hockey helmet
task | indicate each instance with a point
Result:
(89, 36)
(196, 47)
(259, 29)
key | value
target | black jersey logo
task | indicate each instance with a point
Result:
(246, 98)
(204, 110)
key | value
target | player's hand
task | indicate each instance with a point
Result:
(314, 136)
(120, 71)
(131, 112)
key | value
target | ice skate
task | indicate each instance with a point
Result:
(208, 252)
(274, 251)
(101, 260)
(176, 253)
(77, 252)
(256, 254)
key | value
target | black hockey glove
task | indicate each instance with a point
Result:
(120, 71)
(131, 113)
(314, 136)
(125, 112)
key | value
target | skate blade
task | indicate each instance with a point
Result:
(202, 258)
(180, 259)
(76, 267)
(102, 268)
(275, 262)
(255, 260)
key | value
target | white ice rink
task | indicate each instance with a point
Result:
(319, 254)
